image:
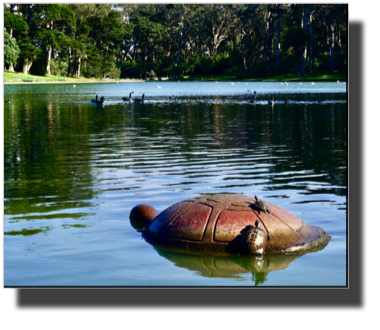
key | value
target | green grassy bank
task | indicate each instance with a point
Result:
(18, 77)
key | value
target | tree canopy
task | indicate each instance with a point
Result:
(145, 40)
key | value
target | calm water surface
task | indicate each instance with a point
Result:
(73, 172)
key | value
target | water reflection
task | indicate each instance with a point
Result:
(60, 150)
(46, 160)
(230, 266)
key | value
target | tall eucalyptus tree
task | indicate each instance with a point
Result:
(51, 20)
(79, 44)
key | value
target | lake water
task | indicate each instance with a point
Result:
(73, 171)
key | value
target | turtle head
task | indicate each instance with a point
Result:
(245, 229)
(142, 215)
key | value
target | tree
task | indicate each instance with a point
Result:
(107, 36)
(217, 24)
(148, 33)
(11, 49)
(14, 23)
(261, 39)
(52, 20)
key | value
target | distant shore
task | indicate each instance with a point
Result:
(68, 82)
(16, 78)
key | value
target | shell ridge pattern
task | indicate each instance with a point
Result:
(187, 230)
(266, 229)
(284, 222)
(166, 227)
(208, 219)
(221, 214)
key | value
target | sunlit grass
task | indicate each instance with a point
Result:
(19, 77)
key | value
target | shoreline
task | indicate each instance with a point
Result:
(140, 81)
(66, 82)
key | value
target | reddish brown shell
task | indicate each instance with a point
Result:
(214, 223)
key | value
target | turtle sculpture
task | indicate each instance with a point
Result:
(227, 224)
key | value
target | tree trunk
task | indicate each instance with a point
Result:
(278, 41)
(332, 41)
(179, 46)
(49, 49)
(271, 23)
(26, 66)
(11, 68)
(69, 62)
(76, 73)
(153, 66)
(338, 40)
(310, 42)
(48, 60)
(242, 53)
(178, 50)
(305, 49)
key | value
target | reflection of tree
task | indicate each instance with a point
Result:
(46, 158)
(314, 136)
(48, 149)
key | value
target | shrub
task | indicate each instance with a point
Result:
(58, 67)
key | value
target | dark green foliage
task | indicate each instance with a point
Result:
(59, 67)
(39, 66)
(11, 49)
(156, 40)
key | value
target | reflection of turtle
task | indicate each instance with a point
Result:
(254, 240)
(214, 224)
(259, 204)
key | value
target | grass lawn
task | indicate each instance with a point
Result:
(18, 77)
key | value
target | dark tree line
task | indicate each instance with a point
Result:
(148, 40)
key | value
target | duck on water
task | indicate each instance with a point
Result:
(8, 101)
(96, 101)
(129, 99)
(139, 100)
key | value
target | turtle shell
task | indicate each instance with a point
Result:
(215, 223)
